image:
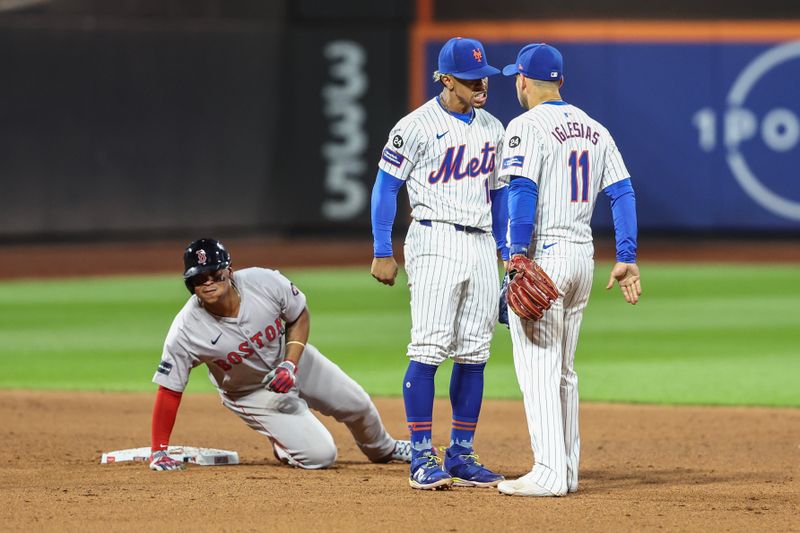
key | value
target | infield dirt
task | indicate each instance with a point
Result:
(643, 468)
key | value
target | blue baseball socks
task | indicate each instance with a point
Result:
(466, 395)
(418, 391)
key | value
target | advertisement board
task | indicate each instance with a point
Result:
(709, 126)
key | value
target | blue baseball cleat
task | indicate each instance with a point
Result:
(427, 473)
(462, 464)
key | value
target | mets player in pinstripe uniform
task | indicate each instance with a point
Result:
(557, 158)
(445, 153)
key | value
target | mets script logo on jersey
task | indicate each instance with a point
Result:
(201, 257)
(454, 166)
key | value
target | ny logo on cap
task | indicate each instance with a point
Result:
(201, 257)
(477, 54)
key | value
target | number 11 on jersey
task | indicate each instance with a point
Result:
(581, 161)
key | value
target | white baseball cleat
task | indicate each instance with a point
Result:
(525, 486)
(402, 451)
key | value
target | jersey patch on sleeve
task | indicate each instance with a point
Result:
(515, 161)
(164, 367)
(392, 157)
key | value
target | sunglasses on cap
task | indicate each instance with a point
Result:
(203, 277)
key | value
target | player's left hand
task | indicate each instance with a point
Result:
(627, 274)
(530, 292)
(161, 461)
(282, 378)
(503, 315)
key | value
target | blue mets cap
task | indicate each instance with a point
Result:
(465, 59)
(538, 61)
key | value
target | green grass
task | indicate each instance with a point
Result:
(710, 334)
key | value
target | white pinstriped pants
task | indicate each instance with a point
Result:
(454, 283)
(544, 357)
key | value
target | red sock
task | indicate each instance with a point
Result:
(164, 412)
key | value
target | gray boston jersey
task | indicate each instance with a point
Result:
(239, 351)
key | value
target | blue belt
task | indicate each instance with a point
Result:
(459, 227)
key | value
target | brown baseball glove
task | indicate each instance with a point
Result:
(531, 292)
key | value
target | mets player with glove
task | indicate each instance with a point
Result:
(251, 330)
(444, 153)
(556, 159)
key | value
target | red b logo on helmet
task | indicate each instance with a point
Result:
(201, 257)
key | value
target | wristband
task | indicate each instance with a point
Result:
(294, 366)
(518, 249)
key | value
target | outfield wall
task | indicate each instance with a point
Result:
(705, 115)
(166, 119)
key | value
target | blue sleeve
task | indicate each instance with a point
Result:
(499, 199)
(384, 209)
(522, 197)
(623, 209)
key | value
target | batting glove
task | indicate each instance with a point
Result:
(503, 316)
(282, 378)
(161, 461)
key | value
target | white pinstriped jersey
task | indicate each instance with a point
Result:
(239, 351)
(571, 157)
(448, 165)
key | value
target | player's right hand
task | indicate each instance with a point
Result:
(627, 274)
(161, 461)
(282, 378)
(384, 269)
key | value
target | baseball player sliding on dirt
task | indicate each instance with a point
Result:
(251, 330)
(444, 152)
(558, 156)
